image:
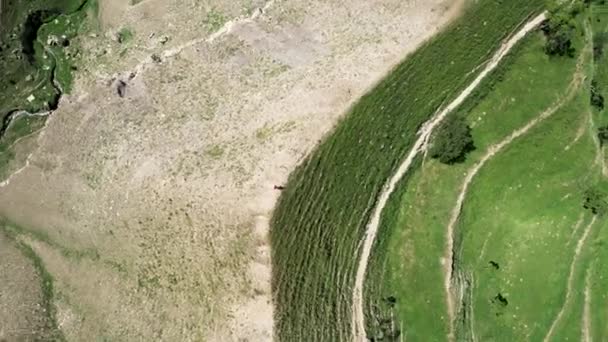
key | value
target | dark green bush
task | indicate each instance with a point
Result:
(452, 140)
(597, 99)
(595, 201)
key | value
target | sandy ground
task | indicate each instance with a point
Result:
(156, 205)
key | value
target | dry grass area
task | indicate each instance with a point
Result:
(21, 310)
(154, 207)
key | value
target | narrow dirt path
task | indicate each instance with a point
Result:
(586, 335)
(569, 286)
(492, 151)
(225, 29)
(358, 316)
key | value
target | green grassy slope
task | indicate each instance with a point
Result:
(407, 262)
(321, 215)
(522, 219)
(597, 268)
(521, 213)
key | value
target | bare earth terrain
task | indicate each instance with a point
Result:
(21, 310)
(155, 205)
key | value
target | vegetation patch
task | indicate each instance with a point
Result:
(38, 56)
(452, 140)
(407, 256)
(214, 20)
(524, 242)
(322, 213)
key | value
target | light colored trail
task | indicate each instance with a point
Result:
(577, 251)
(358, 317)
(224, 30)
(579, 223)
(448, 260)
(586, 326)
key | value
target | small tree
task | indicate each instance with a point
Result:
(597, 99)
(599, 41)
(559, 29)
(595, 201)
(602, 135)
(452, 140)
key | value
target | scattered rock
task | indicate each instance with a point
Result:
(52, 40)
(121, 88)
(156, 58)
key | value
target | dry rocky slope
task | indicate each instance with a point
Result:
(154, 206)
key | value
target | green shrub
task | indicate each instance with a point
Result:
(595, 201)
(602, 135)
(452, 140)
(559, 29)
(597, 99)
(599, 40)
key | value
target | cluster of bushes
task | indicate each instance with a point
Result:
(452, 140)
(595, 201)
(560, 27)
(599, 40)
(597, 99)
(384, 327)
(603, 135)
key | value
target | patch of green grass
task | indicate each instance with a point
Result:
(125, 35)
(521, 211)
(320, 217)
(599, 283)
(20, 127)
(32, 73)
(216, 151)
(214, 20)
(64, 50)
(599, 22)
(35, 81)
(267, 131)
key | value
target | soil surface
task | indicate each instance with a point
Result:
(155, 204)
(22, 315)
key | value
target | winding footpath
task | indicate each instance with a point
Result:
(358, 316)
(226, 29)
(570, 284)
(586, 324)
(491, 152)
